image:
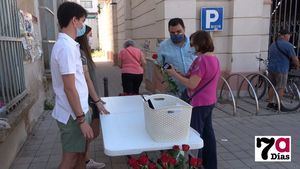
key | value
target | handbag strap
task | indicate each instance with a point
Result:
(206, 84)
(281, 51)
(133, 56)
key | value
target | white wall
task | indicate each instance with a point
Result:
(105, 23)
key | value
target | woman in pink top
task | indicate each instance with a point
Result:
(131, 62)
(203, 74)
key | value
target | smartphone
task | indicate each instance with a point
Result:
(167, 66)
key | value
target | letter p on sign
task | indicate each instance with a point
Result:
(212, 19)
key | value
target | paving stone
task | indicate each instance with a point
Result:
(121, 159)
(20, 166)
(24, 153)
(23, 160)
(227, 156)
(223, 164)
(52, 166)
(30, 147)
(290, 165)
(258, 167)
(39, 159)
(249, 162)
(119, 166)
(274, 166)
(236, 164)
(37, 165)
(242, 155)
(54, 158)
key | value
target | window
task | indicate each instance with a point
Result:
(12, 82)
(86, 4)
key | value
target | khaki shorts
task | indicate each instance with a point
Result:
(279, 80)
(72, 139)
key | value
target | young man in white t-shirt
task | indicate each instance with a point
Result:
(70, 88)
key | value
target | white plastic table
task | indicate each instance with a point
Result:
(124, 131)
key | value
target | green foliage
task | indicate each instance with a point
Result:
(172, 86)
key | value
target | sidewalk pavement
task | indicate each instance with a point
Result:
(234, 135)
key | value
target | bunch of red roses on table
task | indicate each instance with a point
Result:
(171, 159)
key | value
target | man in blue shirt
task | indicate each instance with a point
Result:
(281, 52)
(176, 50)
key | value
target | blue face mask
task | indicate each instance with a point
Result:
(177, 38)
(81, 31)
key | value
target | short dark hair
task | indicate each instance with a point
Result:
(67, 10)
(284, 32)
(175, 22)
(202, 42)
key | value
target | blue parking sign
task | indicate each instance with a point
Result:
(212, 19)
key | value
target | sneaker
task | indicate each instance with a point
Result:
(271, 105)
(94, 165)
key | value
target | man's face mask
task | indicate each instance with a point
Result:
(177, 38)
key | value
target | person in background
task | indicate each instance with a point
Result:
(132, 63)
(177, 50)
(95, 101)
(281, 53)
(202, 78)
(71, 109)
(89, 36)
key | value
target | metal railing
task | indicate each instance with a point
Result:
(12, 80)
(286, 14)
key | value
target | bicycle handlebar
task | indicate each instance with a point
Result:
(260, 59)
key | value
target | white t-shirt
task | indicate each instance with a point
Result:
(65, 59)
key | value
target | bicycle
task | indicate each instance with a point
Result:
(258, 82)
(291, 98)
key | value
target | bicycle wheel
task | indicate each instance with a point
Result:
(291, 98)
(259, 84)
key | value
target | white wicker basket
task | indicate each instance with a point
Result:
(170, 120)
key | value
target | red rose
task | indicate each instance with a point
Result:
(185, 147)
(154, 56)
(136, 166)
(152, 166)
(176, 147)
(132, 162)
(143, 160)
(194, 162)
(164, 158)
(172, 161)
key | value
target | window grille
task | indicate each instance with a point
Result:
(286, 14)
(12, 82)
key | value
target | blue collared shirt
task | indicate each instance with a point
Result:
(278, 62)
(181, 57)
